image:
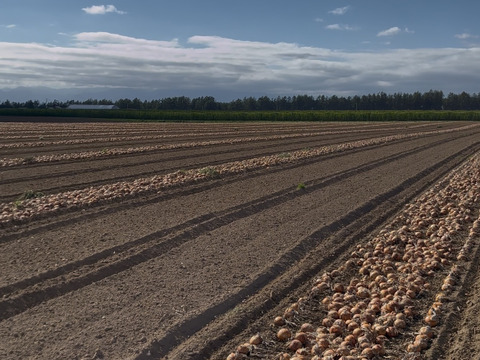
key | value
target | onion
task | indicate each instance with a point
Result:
(307, 328)
(256, 339)
(244, 349)
(294, 345)
(279, 321)
(284, 334)
(302, 337)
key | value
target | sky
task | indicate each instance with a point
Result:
(152, 49)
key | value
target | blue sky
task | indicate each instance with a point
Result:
(229, 49)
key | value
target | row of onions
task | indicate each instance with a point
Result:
(128, 137)
(107, 152)
(29, 208)
(7, 162)
(108, 139)
(375, 305)
(17, 131)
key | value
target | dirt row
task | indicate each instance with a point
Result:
(157, 275)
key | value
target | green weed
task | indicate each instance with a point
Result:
(30, 194)
(209, 172)
(300, 186)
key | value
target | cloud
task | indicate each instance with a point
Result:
(9, 26)
(340, 27)
(390, 32)
(466, 36)
(340, 10)
(318, 20)
(103, 62)
(102, 10)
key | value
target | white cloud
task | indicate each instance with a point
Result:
(102, 10)
(382, 83)
(334, 27)
(318, 20)
(340, 27)
(11, 26)
(340, 10)
(212, 65)
(390, 32)
(466, 36)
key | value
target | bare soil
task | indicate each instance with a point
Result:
(191, 272)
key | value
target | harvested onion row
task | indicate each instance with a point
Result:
(393, 271)
(15, 211)
(122, 151)
(7, 162)
(95, 140)
(433, 317)
(88, 131)
(169, 136)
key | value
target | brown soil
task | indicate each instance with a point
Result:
(192, 272)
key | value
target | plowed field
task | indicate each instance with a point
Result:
(181, 241)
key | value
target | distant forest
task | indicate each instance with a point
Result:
(431, 100)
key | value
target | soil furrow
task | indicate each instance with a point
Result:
(220, 218)
(18, 304)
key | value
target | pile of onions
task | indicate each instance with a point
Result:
(452, 279)
(392, 271)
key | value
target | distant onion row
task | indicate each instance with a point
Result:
(162, 136)
(8, 162)
(142, 149)
(25, 209)
(96, 140)
(100, 132)
(376, 294)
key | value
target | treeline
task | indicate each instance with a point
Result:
(431, 100)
